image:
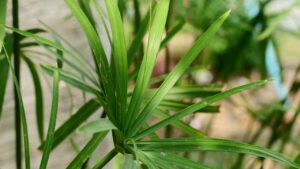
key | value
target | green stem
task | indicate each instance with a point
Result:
(16, 50)
(169, 128)
(100, 164)
(137, 16)
(168, 57)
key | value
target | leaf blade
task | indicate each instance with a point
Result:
(83, 113)
(119, 58)
(22, 111)
(52, 122)
(205, 102)
(87, 151)
(144, 75)
(4, 69)
(39, 105)
(3, 6)
(100, 57)
(178, 71)
(211, 144)
(96, 126)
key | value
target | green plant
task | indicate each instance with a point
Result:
(246, 33)
(127, 111)
(12, 44)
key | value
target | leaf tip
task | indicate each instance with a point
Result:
(226, 14)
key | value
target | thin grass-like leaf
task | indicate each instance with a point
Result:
(129, 162)
(177, 72)
(86, 152)
(159, 162)
(46, 42)
(39, 104)
(68, 127)
(85, 6)
(91, 35)
(3, 6)
(52, 122)
(102, 19)
(138, 40)
(23, 114)
(146, 160)
(62, 39)
(164, 76)
(33, 31)
(83, 71)
(119, 59)
(155, 36)
(210, 144)
(205, 102)
(97, 126)
(180, 125)
(100, 164)
(172, 33)
(297, 161)
(100, 58)
(28, 44)
(71, 79)
(178, 161)
(179, 93)
(178, 105)
(4, 69)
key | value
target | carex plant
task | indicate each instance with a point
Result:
(124, 94)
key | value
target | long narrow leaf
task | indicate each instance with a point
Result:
(138, 40)
(180, 125)
(297, 161)
(3, 6)
(205, 102)
(209, 144)
(4, 69)
(85, 6)
(52, 122)
(23, 114)
(87, 71)
(178, 71)
(100, 164)
(86, 152)
(119, 58)
(102, 19)
(33, 31)
(172, 33)
(83, 113)
(39, 104)
(155, 36)
(146, 160)
(129, 162)
(62, 39)
(178, 105)
(159, 162)
(100, 57)
(179, 161)
(97, 126)
(71, 79)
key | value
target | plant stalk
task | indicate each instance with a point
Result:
(100, 164)
(169, 128)
(16, 51)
